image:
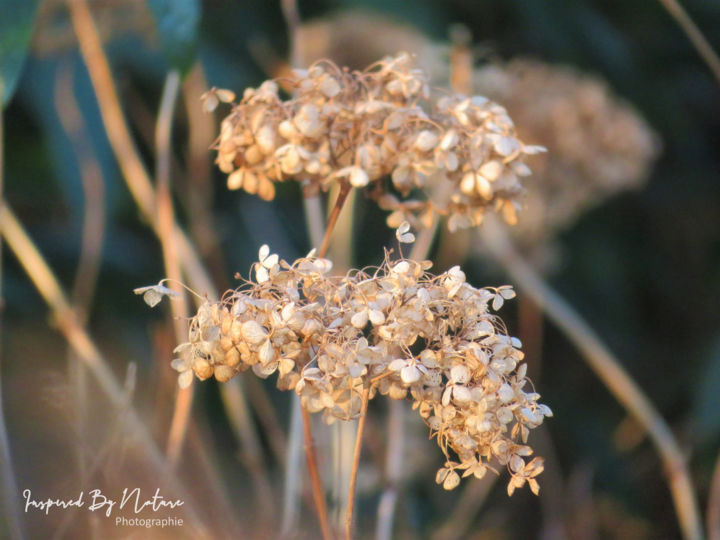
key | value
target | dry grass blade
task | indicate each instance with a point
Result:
(93, 234)
(126, 153)
(64, 317)
(608, 368)
(696, 37)
(166, 223)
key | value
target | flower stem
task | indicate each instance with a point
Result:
(317, 486)
(333, 217)
(356, 464)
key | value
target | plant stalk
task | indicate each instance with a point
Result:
(356, 463)
(608, 368)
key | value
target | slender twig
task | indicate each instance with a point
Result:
(316, 481)
(342, 433)
(713, 504)
(333, 217)
(165, 227)
(318, 491)
(199, 193)
(93, 184)
(64, 317)
(356, 463)
(10, 492)
(310, 454)
(608, 368)
(695, 35)
(126, 153)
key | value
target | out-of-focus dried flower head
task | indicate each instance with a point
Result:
(597, 144)
(397, 330)
(357, 37)
(359, 127)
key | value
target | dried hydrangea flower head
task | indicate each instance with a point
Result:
(597, 144)
(358, 127)
(396, 330)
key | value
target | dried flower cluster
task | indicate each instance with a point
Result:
(359, 127)
(396, 330)
(597, 145)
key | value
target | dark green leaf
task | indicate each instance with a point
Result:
(177, 22)
(16, 26)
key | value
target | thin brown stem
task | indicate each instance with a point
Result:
(695, 35)
(608, 368)
(199, 192)
(126, 153)
(356, 463)
(165, 227)
(93, 233)
(310, 454)
(333, 217)
(317, 486)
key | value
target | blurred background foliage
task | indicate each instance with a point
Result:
(643, 267)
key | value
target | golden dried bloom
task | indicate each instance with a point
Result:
(597, 144)
(362, 126)
(396, 329)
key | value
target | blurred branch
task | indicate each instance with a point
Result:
(252, 454)
(93, 184)
(199, 193)
(93, 233)
(126, 153)
(696, 37)
(166, 222)
(10, 491)
(101, 455)
(464, 511)
(607, 367)
(64, 317)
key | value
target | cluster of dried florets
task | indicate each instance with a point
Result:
(396, 330)
(359, 127)
(597, 145)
